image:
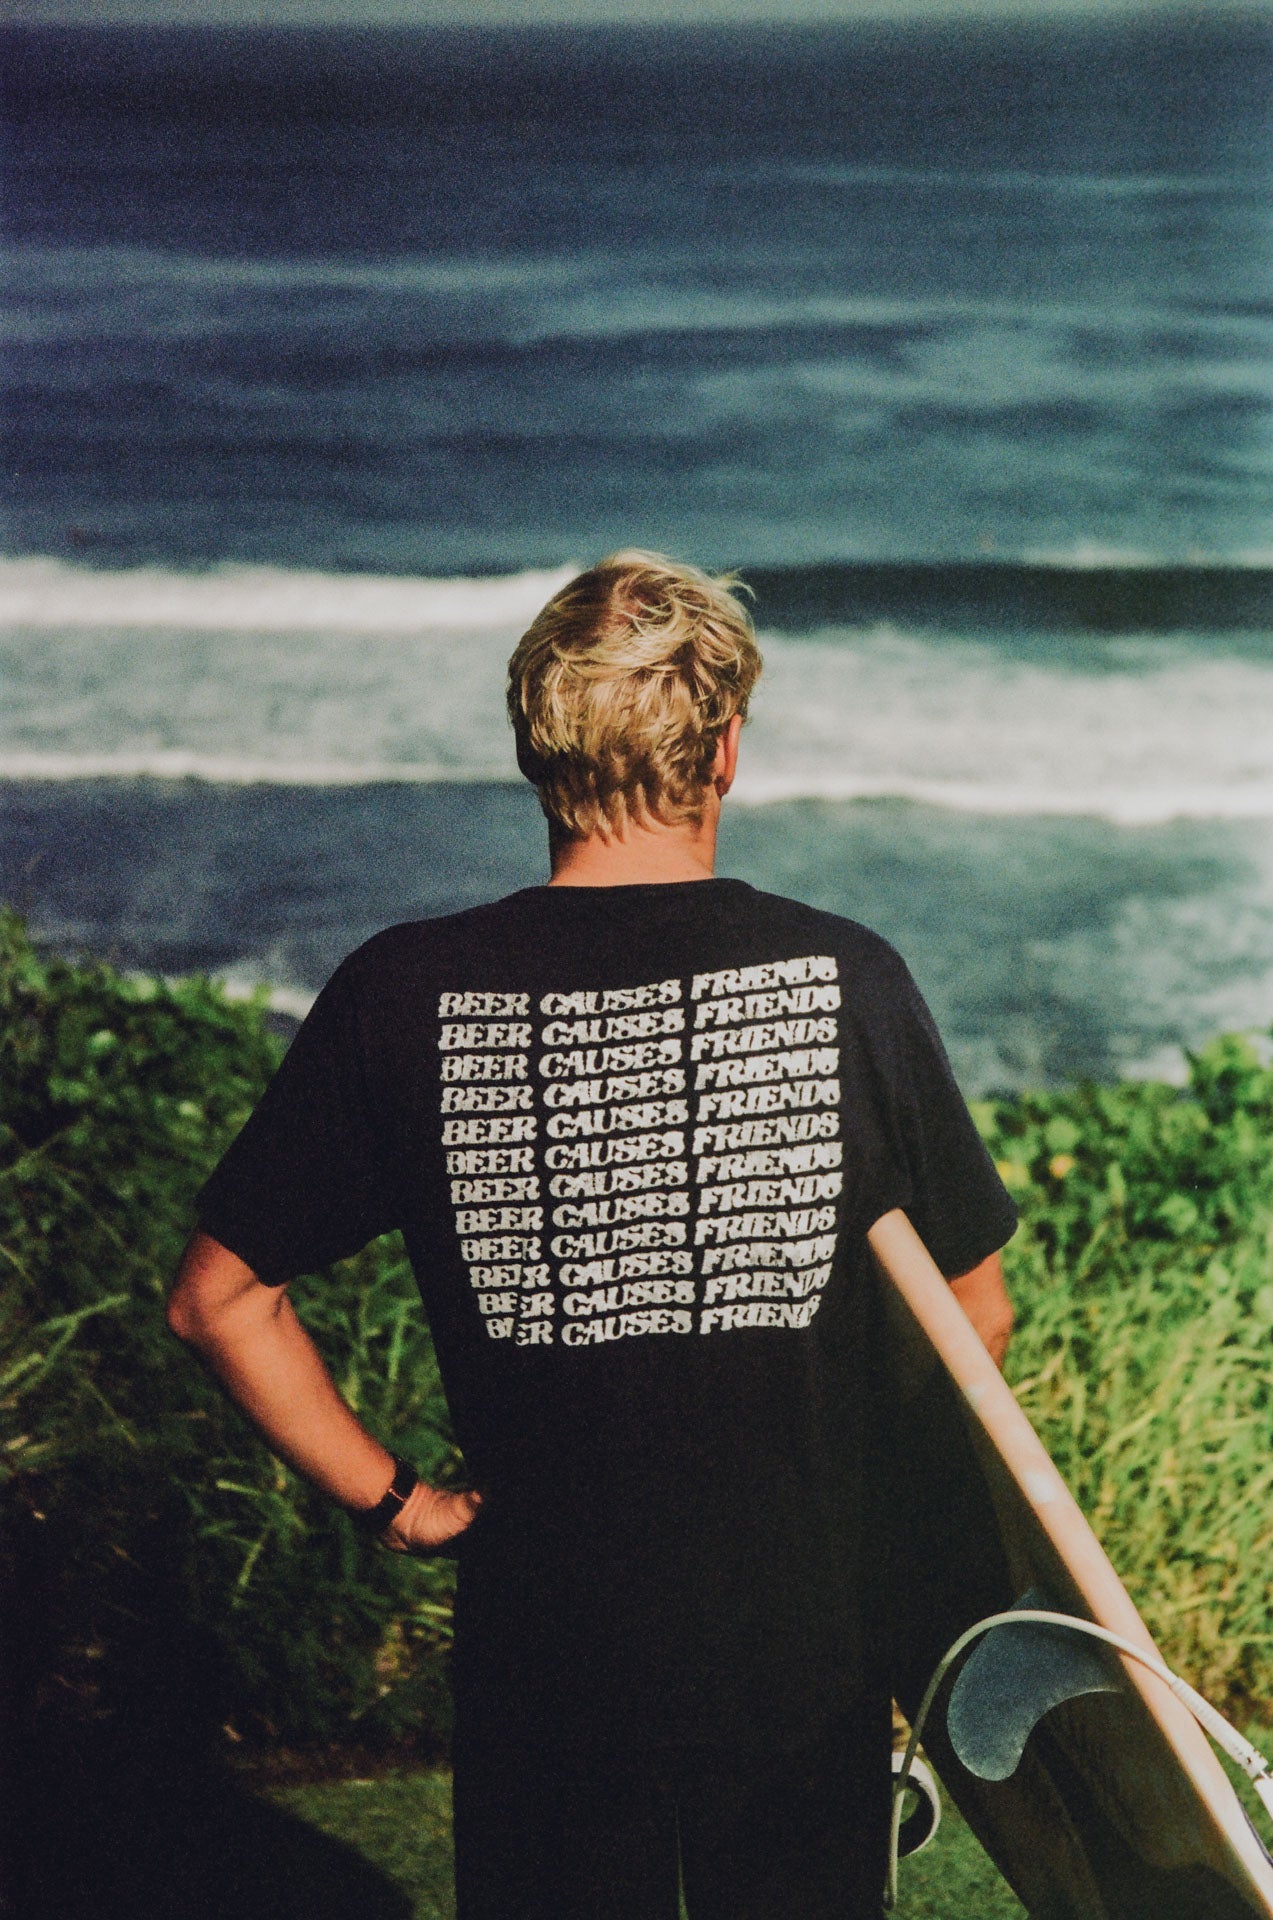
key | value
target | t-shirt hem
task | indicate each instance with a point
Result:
(970, 1253)
(271, 1273)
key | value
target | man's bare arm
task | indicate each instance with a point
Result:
(250, 1337)
(984, 1298)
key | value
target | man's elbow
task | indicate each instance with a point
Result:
(211, 1289)
(187, 1314)
(182, 1315)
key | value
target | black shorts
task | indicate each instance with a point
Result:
(795, 1836)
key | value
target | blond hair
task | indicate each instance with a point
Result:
(620, 688)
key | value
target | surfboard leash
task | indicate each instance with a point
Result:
(1235, 1745)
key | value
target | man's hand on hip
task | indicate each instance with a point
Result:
(430, 1520)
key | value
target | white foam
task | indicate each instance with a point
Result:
(229, 771)
(262, 676)
(1127, 807)
(1140, 732)
(40, 592)
(1096, 555)
(244, 983)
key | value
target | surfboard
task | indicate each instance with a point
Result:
(1118, 1808)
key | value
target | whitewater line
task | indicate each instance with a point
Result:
(1124, 807)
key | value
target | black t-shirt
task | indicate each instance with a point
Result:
(633, 1138)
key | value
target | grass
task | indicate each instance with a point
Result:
(401, 1824)
(1143, 1275)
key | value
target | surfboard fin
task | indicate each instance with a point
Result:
(1011, 1679)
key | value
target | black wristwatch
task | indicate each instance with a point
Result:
(374, 1520)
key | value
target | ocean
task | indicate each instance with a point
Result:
(327, 355)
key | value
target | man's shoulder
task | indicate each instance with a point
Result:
(859, 948)
(410, 946)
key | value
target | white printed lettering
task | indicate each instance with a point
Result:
(641, 1233)
(766, 1006)
(768, 1282)
(488, 1099)
(617, 1153)
(603, 1180)
(592, 1121)
(496, 1302)
(764, 1226)
(739, 1101)
(753, 1069)
(637, 1293)
(772, 1193)
(506, 1247)
(602, 1028)
(630, 1206)
(660, 993)
(605, 1060)
(478, 1133)
(774, 1033)
(484, 1033)
(484, 1066)
(492, 1160)
(759, 1313)
(627, 1266)
(484, 1006)
(755, 1165)
(767, 1253)
(588, 1333)
(499, 1219)
(534, 1333)
(777, 973)
(471, 1191)
(778, 1131)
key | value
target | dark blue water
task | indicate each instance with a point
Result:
(959, 341)
(426, 301)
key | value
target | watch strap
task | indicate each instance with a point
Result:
(374, 1520)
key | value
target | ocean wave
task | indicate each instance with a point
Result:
(1087, 587)
(99, 293)
(246, 980)
(241, 770)
(1127, 806)
(39, 591)
(327, 680)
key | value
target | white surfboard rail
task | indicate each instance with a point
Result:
(908, 1264)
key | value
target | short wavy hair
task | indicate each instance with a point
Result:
(620, 688)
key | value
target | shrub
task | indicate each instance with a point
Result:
(149, 1493)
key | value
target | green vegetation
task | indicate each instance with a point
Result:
(1143, 1273)
(1143, 1276)
(116, 1099)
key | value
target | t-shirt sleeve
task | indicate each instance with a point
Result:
(938, 1167)
(306, 1181)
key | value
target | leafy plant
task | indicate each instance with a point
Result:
(1143, 1277)
(129, 1477)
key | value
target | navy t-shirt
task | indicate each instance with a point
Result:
(634, 1138)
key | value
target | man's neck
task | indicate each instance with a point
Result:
(638, 855)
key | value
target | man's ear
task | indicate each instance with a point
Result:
(725, 765)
